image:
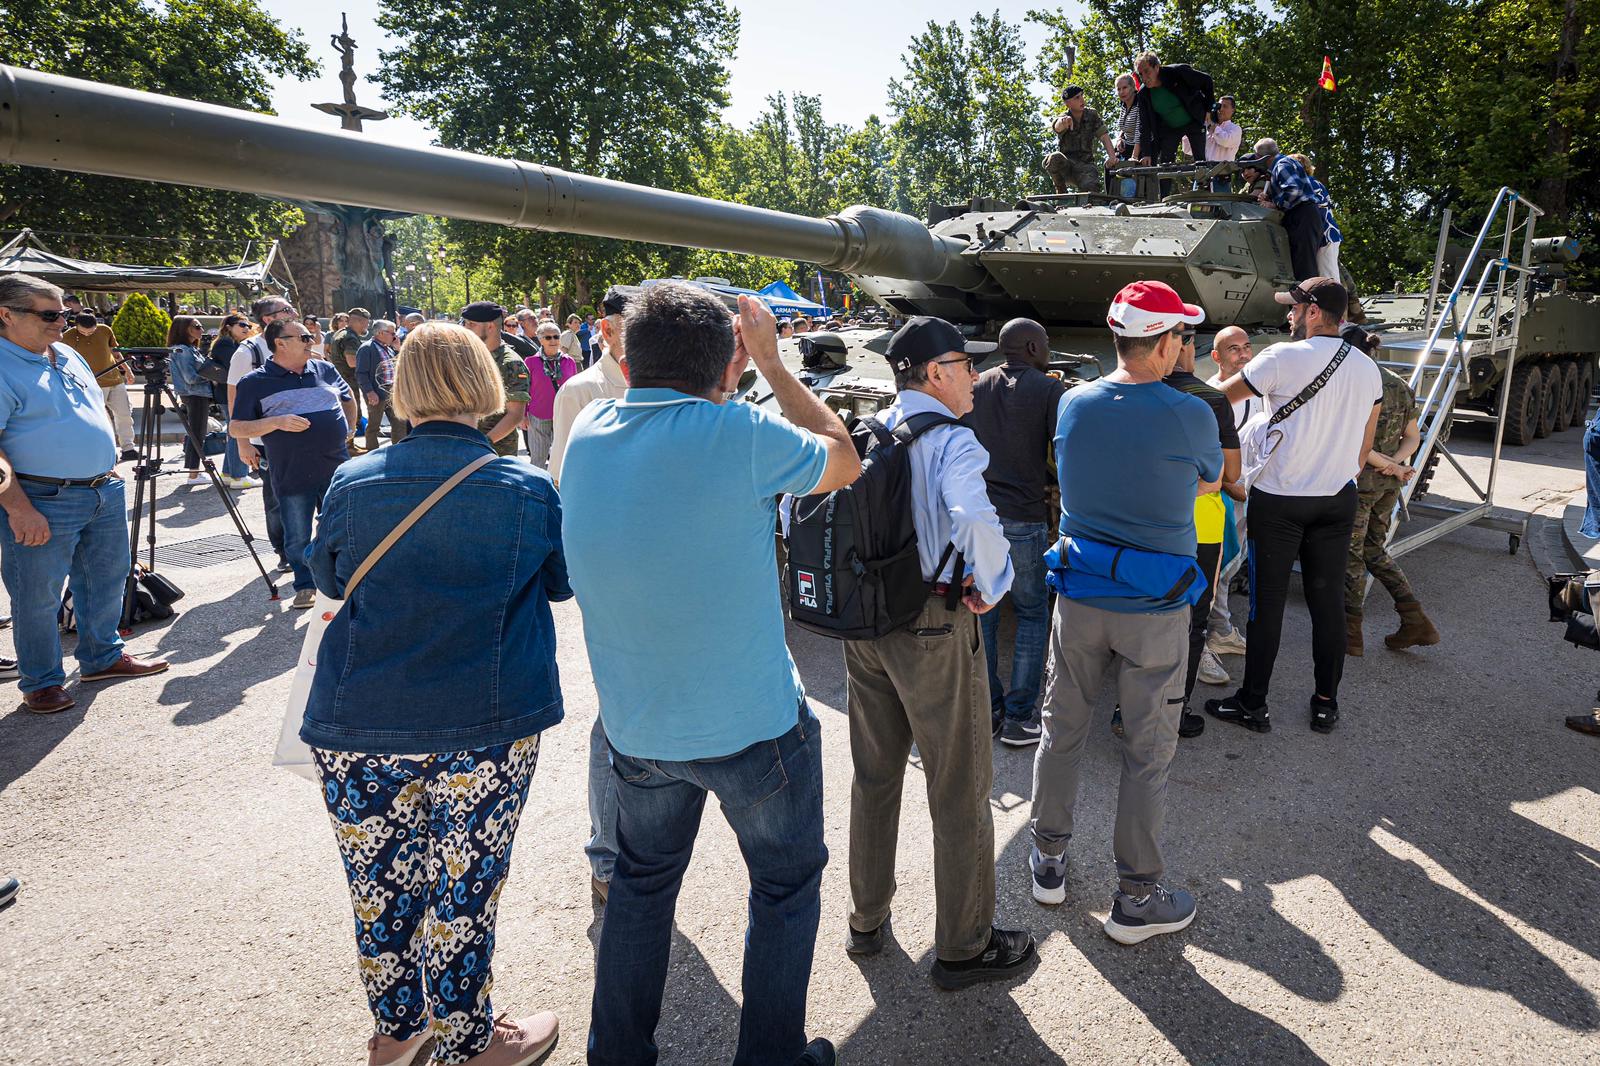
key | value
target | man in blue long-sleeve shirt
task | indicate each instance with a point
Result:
(928, 683)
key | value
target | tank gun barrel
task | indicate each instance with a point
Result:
(69, 124)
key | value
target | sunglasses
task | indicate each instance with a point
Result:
(306, 337)
(44, 316)
(967, 359)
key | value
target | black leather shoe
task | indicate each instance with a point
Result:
(817, 1053)
(1008, 952)
(1231, 710)
(869, 943)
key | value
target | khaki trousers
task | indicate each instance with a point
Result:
(121, 413)
(926, 684)
(1150, 652)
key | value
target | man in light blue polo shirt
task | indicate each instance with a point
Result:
(669, 502)
(66, 510)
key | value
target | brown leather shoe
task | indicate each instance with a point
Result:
(127, 666)
(47, 700)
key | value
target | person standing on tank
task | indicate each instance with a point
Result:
(1077, 130)
(1303, 500)
(1014, 418)
(1290, 190)
(1173, 104)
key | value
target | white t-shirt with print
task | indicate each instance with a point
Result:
(1320, 445)
(251, 355)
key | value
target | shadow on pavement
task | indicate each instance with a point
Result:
(198, 632)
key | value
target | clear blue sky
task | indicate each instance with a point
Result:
(849, 65)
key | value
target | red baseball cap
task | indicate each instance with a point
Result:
(1150, 308)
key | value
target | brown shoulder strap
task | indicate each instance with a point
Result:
(411, 519)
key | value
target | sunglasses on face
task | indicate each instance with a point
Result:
(44, 316)
(967, 359)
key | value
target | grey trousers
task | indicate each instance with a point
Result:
(1150, 652)
(926, 683)
(541, 434)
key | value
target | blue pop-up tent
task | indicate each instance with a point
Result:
(785, 302)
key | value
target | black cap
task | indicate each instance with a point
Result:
(923, 339)
(1070, 91)
(483, 311)
(1324, 292)
(615, 301)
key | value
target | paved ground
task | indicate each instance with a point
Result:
(1420, 886)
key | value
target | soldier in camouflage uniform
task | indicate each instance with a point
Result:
(1378, 489)
(341, 351)
(1077, 130)
(484, 318)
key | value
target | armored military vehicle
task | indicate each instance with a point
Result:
(1555, 346)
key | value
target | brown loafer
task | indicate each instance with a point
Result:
(127, 666)
(47, 700)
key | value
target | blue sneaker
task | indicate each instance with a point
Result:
(1049, 877)
(1138, 918)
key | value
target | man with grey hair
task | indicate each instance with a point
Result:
(670, 501)
(1290, 190)
(252, 355)
(375, 374)
(66, 508)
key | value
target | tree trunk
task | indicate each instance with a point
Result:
(1558, 136)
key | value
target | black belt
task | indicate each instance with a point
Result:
(69, 482)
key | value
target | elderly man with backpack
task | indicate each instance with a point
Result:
(900, 565)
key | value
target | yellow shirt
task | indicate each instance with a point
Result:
(96, 349)
(1210, 517)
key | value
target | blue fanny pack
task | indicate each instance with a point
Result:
(1088, 569)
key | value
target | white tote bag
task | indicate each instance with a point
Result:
(293, 754)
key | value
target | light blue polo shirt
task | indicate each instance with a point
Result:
(53, 420)
(669, 511)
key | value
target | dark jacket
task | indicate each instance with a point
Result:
(1194, 90)
(448, 643)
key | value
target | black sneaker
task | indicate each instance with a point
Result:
(1008, 952)
(128, 454)
(817, 1053)
(8, 670)
(997, 722)
(869, 943)
(1231, 710)
(1190, 724)
(1116, 720)
(1020, 734)
(1324, 714)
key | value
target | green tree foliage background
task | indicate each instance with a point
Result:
(220, 51)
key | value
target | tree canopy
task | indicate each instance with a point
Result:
(219, 51)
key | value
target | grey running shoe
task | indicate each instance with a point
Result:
(1212, 672)
(1020, 734)
(1229, 643)
(1049, 877)
(1134, 919)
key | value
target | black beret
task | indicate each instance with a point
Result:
(483, 311)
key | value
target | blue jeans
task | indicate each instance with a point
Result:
(1031, 600)
(88, 544)
(1591, 477)
(602, 846)
(297, 513)
(232, 465)
(771, 794)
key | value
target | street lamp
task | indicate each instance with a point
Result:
(411, 280)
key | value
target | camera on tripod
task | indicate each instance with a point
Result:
(149, 363)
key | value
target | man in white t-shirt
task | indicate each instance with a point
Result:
(1303, 501)
(249, 356)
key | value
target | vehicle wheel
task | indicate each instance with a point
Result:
(1522, 412)
(1549, 398)
(1585, 390)
(1567, 382)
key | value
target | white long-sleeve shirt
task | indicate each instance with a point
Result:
(950, 501)
(601, 381)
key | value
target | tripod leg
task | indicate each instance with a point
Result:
(143, 471)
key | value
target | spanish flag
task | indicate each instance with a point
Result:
(1326, 81)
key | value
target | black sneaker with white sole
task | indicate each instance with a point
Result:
(1138, 918)
(1008, 951)
(1020, 734)
(8, 670)
(1232, 710)
(1324, 714)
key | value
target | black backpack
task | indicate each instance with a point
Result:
(853, 570)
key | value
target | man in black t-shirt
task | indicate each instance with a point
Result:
(1210, 518)
(1014, 409)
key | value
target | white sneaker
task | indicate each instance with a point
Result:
(240, 482)
(1212, 671)
(1229, 643)
(196, 479)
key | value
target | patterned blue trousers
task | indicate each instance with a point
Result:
(426, 842)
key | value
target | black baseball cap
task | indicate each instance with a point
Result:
(923, 339)
(615, 301)
(1324, 292)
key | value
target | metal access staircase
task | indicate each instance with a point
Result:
(1503, 283)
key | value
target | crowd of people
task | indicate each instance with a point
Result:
(1170, 113)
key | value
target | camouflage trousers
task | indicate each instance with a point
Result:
(1369, 552)
(1070, 172)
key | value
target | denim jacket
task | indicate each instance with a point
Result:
(184, 366)
(448, 643)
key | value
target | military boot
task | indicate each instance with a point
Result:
(1352, 635)
(1415, 628)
